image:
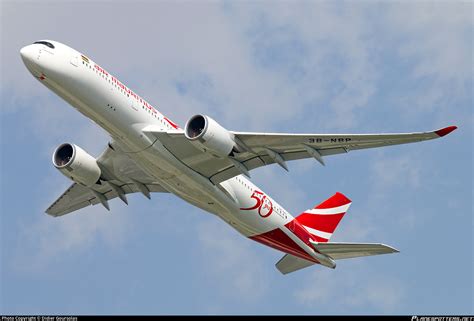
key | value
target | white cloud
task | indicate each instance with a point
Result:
(231, 262)
(46, 239)
(385, 295)
(361, 286)
(393, 171)
(436, 35)
(436, 39)
(297, 44)
(389, 177)
(357, 227)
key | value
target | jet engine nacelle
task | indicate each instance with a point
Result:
(206, 134)
(76, 164)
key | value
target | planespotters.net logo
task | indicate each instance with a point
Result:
(417, 318)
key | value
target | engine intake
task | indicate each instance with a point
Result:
(206, 134)
(76, 164)
(196, 126)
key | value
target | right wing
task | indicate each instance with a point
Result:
(261, 149)
(338, 251)
(120, 176)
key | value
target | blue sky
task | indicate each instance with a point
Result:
(306, 66)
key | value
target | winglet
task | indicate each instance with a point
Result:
(445, 131)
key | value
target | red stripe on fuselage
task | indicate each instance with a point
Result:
(172, 124)
(280, 241)
(302, 233)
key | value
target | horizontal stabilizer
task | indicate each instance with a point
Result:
(290, 263)
(338, 251)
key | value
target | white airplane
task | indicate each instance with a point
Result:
(204, 163)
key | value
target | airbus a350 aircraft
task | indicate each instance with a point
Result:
(204, 163)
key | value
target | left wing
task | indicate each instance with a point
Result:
(262, 149)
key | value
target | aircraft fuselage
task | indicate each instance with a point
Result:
(105, 100)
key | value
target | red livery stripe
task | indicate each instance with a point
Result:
(324, 223)
(336, 200)
(297, 229)
(280, 241)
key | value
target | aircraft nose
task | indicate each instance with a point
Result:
(29, 53)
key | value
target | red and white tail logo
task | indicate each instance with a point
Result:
(322, 220)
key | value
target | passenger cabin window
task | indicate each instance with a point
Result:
(48, 44)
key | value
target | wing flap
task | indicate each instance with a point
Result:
(338, 251)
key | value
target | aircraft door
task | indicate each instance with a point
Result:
(75, 61)
(133, 104)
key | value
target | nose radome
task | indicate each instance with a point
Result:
(28, 53)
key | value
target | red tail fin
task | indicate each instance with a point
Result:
(322, 220)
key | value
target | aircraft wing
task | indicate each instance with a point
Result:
(120, 176)
(262, 149)
(78, 196)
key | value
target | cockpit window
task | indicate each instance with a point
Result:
(48, 44)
